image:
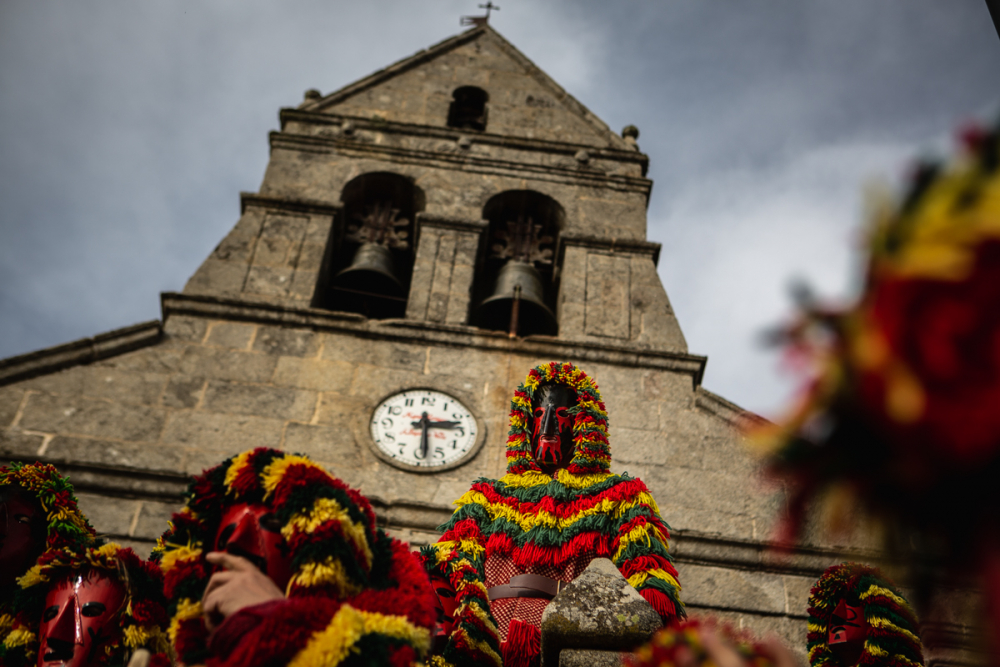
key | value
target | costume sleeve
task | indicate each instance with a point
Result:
(388, 626)
(640, 552)
(458, 558)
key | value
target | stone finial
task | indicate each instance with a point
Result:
(631, 134)
(595, 618)
(312, 94)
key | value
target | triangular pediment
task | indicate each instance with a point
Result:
(523, 100)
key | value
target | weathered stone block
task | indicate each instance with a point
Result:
(264, 401)
(334, 446)
(303, 285)
(286, 342)
(315, 374)
(18, 446)
(183, 391)
(116, 454)
(217, 277)
(607, 305)
(159, 359)
(124, 386)
(269, 280)
(225, 364)
(797, 594)
(723, 588)
(231, 334)
(598, 610)
(272, 251)
(221, 433)
(10, 401)
(92, 417)
(108, 515)
(153, 518)
(336, 407)
(184, 327)
(571, 657)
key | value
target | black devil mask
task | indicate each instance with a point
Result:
(552, 426)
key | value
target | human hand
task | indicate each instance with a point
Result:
(239, 585)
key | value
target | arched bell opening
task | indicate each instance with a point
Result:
(515, 286)
(468, 108)
(370, 256)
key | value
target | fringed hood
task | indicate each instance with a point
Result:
(893, 632)
(337, 551)
(66, 526)
(591, 453)
(142, 617)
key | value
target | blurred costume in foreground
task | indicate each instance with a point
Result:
(88, 608)
(513, 542)
(38, 511)
(902, 412)
(858, 617)
(352, 594)
(684, 644)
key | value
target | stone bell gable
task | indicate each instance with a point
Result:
(399, 221)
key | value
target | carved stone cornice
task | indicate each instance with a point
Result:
(82, 351)
(430, 332)
(632, 247)
(287, 204)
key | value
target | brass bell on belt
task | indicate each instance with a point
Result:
(369, 285)
(517, 304)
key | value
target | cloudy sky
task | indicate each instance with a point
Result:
(127, 130)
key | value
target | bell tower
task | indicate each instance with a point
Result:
(461, 187)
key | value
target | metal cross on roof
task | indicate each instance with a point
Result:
(480, 20)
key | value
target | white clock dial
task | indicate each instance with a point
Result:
(423, 429)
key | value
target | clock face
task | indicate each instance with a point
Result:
(423, 429)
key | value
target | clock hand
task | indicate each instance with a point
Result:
(423, 423)
(448, 425)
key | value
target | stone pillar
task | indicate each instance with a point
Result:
(595, 619)
(441, 285)
(610, 293)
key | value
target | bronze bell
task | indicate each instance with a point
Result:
(369, 285)
(517, 304)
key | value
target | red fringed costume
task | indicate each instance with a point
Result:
(532, 523)
(356, 596)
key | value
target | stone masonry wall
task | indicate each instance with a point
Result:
(214, 387)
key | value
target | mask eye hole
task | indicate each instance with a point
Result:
(539, 412)
(50, 613)
(270, 523)
(93, 609)
(224, 536)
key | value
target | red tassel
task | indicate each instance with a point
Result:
(523, 647)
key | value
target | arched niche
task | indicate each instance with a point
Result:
(519, 264)
(369, 258)
(468, 108)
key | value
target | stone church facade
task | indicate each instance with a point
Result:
(277, 341)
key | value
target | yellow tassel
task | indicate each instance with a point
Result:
(236, 467)
(276, 470)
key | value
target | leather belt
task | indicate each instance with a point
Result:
(527, 586)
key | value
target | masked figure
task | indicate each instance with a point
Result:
(858, 617)
(514, 542)
(346, 589)
(94, 607)
(37, 512)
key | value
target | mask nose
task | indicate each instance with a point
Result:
(550, 424)
(246, 537)
(66, 626)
